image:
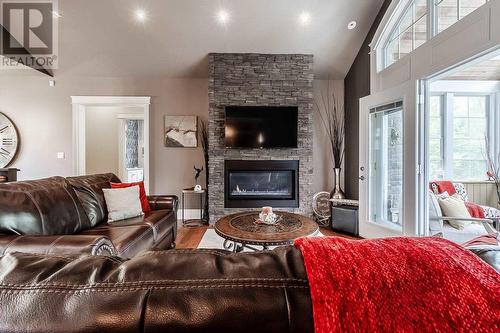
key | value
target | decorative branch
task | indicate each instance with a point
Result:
(493, 166)
(331, 112)
(203, 137)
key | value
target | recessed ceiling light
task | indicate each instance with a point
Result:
(222, 16)
(304, 18)
(352, 25)
(141, 15)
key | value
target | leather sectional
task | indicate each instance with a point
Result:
(68, 216)
(162, 291)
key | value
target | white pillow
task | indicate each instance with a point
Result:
(123, 203)
(455, 207)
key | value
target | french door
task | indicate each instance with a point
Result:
(388, 170)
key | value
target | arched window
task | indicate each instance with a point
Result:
(409, 33)
(417, 21)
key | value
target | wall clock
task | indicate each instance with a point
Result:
(9, 141)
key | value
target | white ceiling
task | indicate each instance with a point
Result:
(102, 38)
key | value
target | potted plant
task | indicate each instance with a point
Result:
(331, 113)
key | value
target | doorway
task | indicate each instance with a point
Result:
(388, 182)
(462, 150)
(111, 134)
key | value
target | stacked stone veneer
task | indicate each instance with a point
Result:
(259, 80)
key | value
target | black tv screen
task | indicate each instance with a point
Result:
(261, 127)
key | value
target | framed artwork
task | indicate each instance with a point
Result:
(181, 131)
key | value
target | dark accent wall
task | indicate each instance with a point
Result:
(251, 79)
(357, 85)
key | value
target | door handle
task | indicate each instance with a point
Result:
(362, 178)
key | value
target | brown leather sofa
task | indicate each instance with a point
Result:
(68, 215)
(163, 291)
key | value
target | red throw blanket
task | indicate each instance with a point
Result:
(399, 285)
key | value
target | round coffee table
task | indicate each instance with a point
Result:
(241, 231)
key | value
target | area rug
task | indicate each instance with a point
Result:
(211, 240)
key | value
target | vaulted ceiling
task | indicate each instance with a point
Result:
(104, 37)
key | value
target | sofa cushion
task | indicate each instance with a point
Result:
(128, 240)
(142, 191)
(161, 221)
(41, 207)
(89, 191)
(123, 203)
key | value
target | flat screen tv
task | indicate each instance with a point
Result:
(261, 127)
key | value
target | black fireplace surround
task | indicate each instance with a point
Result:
(254, 184)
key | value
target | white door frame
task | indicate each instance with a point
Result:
(405, 93)
(79, 107)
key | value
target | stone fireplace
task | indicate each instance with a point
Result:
(247, 179)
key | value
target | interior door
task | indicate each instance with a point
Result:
(388, 150)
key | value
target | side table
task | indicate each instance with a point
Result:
(193, 222)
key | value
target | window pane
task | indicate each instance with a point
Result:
(477, 128)
(410, 32)
(392, 52)
(435, 139)
(386, 167)
(407, 20)
(469, 132)
(436, 171)
(420, 31)
(468, 6)
(447, 13)
(406, 42)
(420, 8)
(450, 11)
(435, 106)
(460, 106)
(477, 106)
(461, 128)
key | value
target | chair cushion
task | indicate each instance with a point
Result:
(41, 207)
(89, 191)
(491, 213)
(454, 207)
(461, 236)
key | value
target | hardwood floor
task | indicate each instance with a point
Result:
(189, 238)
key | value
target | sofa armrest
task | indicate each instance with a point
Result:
(158, 202)
(66, 244)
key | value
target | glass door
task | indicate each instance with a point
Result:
(387, 153)
(386, 165)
